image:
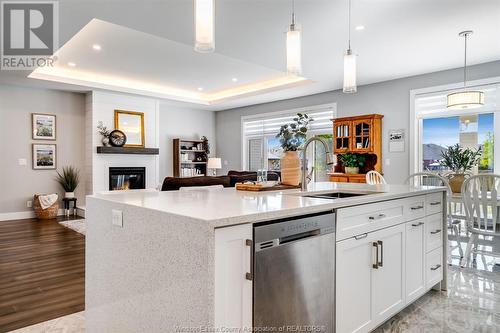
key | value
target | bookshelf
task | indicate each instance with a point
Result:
(190, 159)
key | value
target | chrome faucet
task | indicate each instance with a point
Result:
(329, 160)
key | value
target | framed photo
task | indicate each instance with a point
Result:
(132, 124)
(43, 126)
(44, 156)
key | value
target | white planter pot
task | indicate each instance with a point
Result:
(69, 194)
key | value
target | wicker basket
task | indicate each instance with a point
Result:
(48, 213)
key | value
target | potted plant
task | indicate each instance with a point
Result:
(352, 162)
(459, 160)
(103, 130)
(292, 136)
(69, 180)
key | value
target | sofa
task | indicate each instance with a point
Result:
(229, 180)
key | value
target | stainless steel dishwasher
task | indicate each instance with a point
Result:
(294, 275)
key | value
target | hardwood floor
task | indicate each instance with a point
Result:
(42, 272)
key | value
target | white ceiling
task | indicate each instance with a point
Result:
(402, 37)
(109, 56)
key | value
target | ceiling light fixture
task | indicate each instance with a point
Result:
(96, 47)
(71, 64)
(465, 99)
(200, 88)
(234, 79)
(360, 27)
(349, 63)
(204, 21)
(293, 47)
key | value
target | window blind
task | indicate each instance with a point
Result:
(270, 124)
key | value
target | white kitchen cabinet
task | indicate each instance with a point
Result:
(233, 285)
(415, 259)
(370, 277)
(388, 279)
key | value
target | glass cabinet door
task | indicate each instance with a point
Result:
(342, 134)
(362, 136)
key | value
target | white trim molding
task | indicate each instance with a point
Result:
(31, 214)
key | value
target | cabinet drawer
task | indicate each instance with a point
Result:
(358, 220)
(434, 203)
(415, 208)
(434, 267)
(434, 231)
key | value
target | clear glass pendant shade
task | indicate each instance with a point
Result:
(204, 14)
(350, 72)
(465, 100)
(293, 52)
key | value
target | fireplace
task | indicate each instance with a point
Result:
(127, 178)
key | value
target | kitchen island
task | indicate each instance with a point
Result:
(183, 261)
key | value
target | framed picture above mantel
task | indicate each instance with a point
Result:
(132, 124)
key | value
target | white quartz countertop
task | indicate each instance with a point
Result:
(229, 206)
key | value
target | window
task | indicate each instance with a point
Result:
(262, 150)
(437, 128)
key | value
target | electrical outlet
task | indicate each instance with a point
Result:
(29, 203)
(117, 218)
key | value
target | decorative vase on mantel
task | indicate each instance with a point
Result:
(105, 141)
(290, 168)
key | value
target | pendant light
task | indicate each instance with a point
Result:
(465, 99)
(204, 25)
(293, 47)
(349, 63)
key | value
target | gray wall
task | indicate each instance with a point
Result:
(19, 183)
(176, 122)
(390, 98)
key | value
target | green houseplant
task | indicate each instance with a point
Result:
(459, 160)
(352, 162)
(292, 136)
(68, 179)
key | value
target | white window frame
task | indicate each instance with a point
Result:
(416, 125)
(244, 141)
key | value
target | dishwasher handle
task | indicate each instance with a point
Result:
(249, 275)
(302, 235)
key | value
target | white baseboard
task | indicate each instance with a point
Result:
(31, 214)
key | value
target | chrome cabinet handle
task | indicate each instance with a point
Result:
(437, 231)
(381, 263)
(435, 203)
(417, 207)
(435, 267)
(417, 224)
(379, 216)
(249, 243)
(358, 237)
(375, 245)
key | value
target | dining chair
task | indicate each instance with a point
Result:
(374, 177)
(433, 179)
(480, 195)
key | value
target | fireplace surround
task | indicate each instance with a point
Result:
(127, 178)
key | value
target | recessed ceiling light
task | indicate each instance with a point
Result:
(360, 27)
(200, 88)
(71, 64)
(96, 47)
(234, 79)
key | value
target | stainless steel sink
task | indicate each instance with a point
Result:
(337, 195)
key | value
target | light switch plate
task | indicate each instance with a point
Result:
(22, 161)
(117, 218)
(387, 161)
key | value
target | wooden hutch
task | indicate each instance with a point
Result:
(358, 135)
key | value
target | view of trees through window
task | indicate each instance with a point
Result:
(471, 131)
